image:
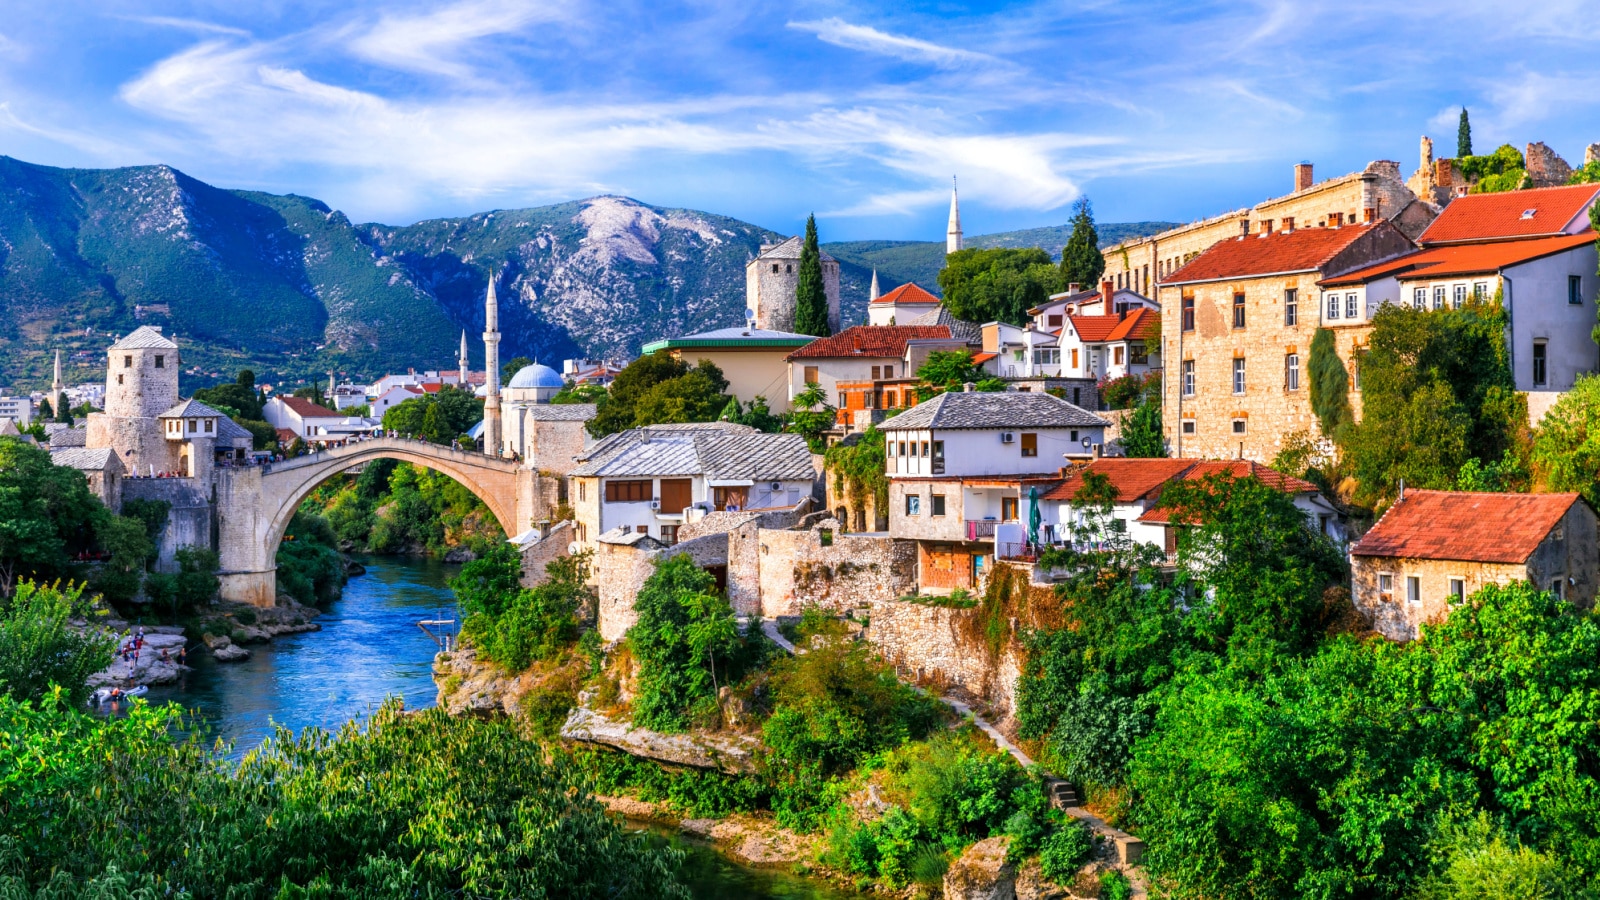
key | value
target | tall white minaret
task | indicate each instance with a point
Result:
(952, 235)
(873, 293)
(58, 390)
(461, 360)
(491, 373)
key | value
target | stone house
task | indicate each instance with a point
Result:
(754, 360)
(654, 480)
(890, 354)
(548, 436)
(1433, 549)
(957, 465)
(141, 384)
(901, 306)
(1237, 324)
(100, 466)
(771, 281)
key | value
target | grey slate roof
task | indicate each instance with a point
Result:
(144, 338)
(790, 249)
(69, 437)
(1000, 409)
(624, 536)
(191, 409)
(229, 430)
(87, 459)
(960, 329)
(561, 412)
(718, 450)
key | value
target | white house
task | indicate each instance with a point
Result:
(300, 418)
(901, 306)
(392, 397)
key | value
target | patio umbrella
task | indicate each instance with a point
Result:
(1033, 516)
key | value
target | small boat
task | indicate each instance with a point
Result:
(111, 695)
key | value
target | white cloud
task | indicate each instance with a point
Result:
(433, 42)
(840, 33)
(196, 25)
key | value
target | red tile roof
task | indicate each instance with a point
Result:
(1134, 479)
(1094, 328)
(1468, 527)
(1300, 250)
(1233, 468)
(878, 341)
(979, 359)
(908, 293)
(305, 409)
(1139, 325)
(1477, 217)
(1463, 259)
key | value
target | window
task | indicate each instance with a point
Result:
(1351, 311)
(1238, 375)
(936, 505)
(876, 372)
(1188, 426)
(1480, 290)
(1077, 396)
(1438, 297)
(1188, 320)
(810, 374)
(891, 400)
(1030, 444)
(1413, 589)
(1054, 321)
(194, 424)
(913, 504)
(1558, 589)
(583, 491)
(1539, 358)
(1333, 306)
(669, 534)
(1238, 310)
(774, 268)
(1419, 298)
(1458, 590)
(924, 449)
(1386, 584)
(902, 448)
(1188, 378)
(1008, 509)
(127, 362)
(1291, 306)
(1047, 356)
(1116, 355)
(889, 445)
(209, 426)
(119, 378)
(1238, 426)
(628, 491)
(788, 268)
(676, 495)
(1460, 295)
(161, 361)
(1291, 372)
(938, 460)
(1138, 355)
(1575, 290)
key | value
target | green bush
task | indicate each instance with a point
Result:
(536, 623)
(1115, 886)
(683, 629)
(1065, 851)
(39, 648)
(310, 568)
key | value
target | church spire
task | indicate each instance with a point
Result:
(952, 235)
(873, 293)
(491, 371)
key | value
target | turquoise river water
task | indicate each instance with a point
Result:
(369, 649)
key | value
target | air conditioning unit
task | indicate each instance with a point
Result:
(775, 486)
(1008, 437)
(655, 503)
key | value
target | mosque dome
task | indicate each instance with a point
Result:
(537, 376)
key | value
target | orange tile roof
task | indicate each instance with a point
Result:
(979, 359)
(1234, 468)
(1478, 217)
(1468, 527)
(1134, 479)
(1094, 328)
(908, 293)
(305, 409)
(877, 341)
(1300, 250)
(1463, 259)
(1139, 325)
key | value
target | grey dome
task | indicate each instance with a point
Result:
(537, 376)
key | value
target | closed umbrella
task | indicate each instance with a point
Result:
(1033, 516)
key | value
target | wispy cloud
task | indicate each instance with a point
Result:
(434, 42)
(840, 33)
(196, 25)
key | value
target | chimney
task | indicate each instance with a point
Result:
(968, 388)
(1302, 176)
(1072, 287)
(1444, 172)
(1288, 223)
(1107, 291)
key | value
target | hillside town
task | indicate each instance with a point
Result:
(1366, 400)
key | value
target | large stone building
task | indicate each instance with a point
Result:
(141, 384)
(1237, 323)
(771, 281)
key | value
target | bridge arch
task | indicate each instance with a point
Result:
(255, 505)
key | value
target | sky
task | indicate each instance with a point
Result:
(396, 112)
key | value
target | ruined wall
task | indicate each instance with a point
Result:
(1545, 167)
(537, 555)
(798, 571)
(618, 571)
(188, 520)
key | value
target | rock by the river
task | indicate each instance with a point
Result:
(982, 873)
(730, 753)
(149, 667)
(460, 555)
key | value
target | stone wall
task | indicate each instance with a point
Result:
(1545, 167)
(188, 519)
(618, 570)
(555, 443)
(541, 553)
(797, 570)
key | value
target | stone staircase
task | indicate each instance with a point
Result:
(1061, 793)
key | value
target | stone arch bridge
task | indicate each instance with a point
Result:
(254, 504)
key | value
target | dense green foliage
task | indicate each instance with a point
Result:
(998, 285)
(395, 507)
(1588, 173)
(811, 297)
(39, 648)
(857, 464)
(1330, 384)
(1081, 261)
(581, 393)
(46, 515)
(1436, 391)
(310, 568)
(1127, 391)
(1142, 437)
(411, 805)
(514, 626)
(1502, 170)
(659, 388)
(687, 646)
(439, 418)
(186, 590)
(1463, 136)
(1566, 445)
(949, 370)
(757, 415)
(810, 415)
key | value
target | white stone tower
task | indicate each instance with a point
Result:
(141, 384)
(873, 293)
(491, 371)
(952, 234)
(461, 360)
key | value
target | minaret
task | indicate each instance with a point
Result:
(873, 293)
(491, 371)
(58, 391)
(461, 360)
(952, 235)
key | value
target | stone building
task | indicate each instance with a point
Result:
(1433, 549)
(544, 435)
(771, 281)
(101, 467)
(141, 384)
(1237, 323)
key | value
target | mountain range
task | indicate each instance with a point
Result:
(293, 289)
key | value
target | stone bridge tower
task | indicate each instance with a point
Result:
(141, 384)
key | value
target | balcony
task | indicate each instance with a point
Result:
(979, 529)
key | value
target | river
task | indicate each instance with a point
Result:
(369, 649)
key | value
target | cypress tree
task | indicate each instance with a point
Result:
(1463, 136)
(1081, 260)
(811, 297)
(1329, 382)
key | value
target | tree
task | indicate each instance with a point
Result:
(240, 396)
(1463, 136)
(1142, 437)
(46, 514)
(758, 415)
(45, 410)
(998, 285)
(810, 415)
(1566, 445)
(581, 393)
(312, 392)
(666, 388)
(1329, 383)
(948, 370)
(517, 364)
(811, 295)
(1081, 260)
(439, 417)
(39, 647)
(130, 546)
(683, 626)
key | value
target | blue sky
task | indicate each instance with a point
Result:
(395, 111)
